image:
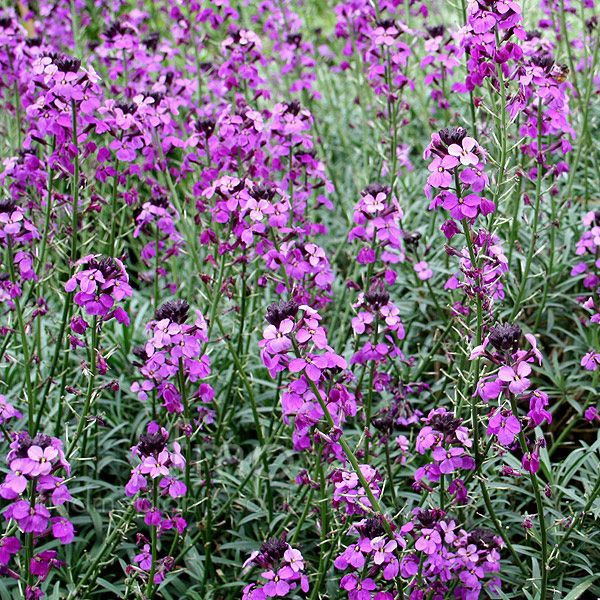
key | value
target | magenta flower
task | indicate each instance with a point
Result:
(357, 589)
(8, 545)
(29, 519)
(277, 585)
(60, 492)
(354, 555)
(42, 460)
(516, 377)
(505, 428)
(461, 208)
(295, 559)
(475, 177)
(11, 223)
(311, 331)
(423, 270)
(464, 152)
(276, 337)
(449, 459)
(62, 530)
(360, 322)
(103, 282)
(429, 541)
(382, 549)
(42, 563)
(591, 360)
(15, 483)
(174, 487)
(312, 365)
(426, 438)
(530, 462)
(441, 175)
(156, 467)
(144, 558)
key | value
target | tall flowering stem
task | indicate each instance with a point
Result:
(31, 403)
(544, 566)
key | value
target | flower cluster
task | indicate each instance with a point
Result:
(373, 553)
(449, 558)
(482, 280)
(511, 381)
(18, 232)
(377, 224)
(378, 318)
(156, 474)
(35, 488)
(295, 341)
(349, 493)
(588, 247)
(174, 346)
(449, 442)
(458, 163)
(102, 282)
(160, 213)
(283, 569)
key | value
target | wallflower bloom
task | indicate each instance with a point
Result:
(101, 283)
(516, 377)
(283, 566)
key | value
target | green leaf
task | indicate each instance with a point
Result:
(581, 587)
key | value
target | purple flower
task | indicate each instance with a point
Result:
(464, 152)
(156, 466)
(30, 519)
(60, 492)
(505, 428)
(449, 460)
(277, 585)
(15, 483)
(357, 589)
(42, 563)
(312, 365)
(103, 282)
(62, 530)
(295, 559)
(354, 555)
(441, 177)
(382, 549)
(41, 459)
(174, 487)
(429, 541)
(423, 270)
(8, 545)
(516, 377)
(276, 337)
(530, 462)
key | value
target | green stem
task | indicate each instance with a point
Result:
(369, 403)
(75, 190)
(58, 347)
(536, 214)
(90, 390)
(347, 450)
(565, 432)
(499, 529)
(91, 573)
(188, 438)
(23, 334)
(544, 568)
(388, 464)
(113, 223)
(154, 543)
(574, 522)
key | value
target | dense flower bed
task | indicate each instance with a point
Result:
(300, 299)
